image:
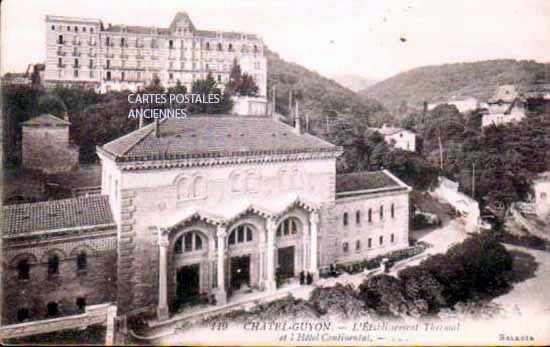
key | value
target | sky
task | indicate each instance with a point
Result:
(374, 39)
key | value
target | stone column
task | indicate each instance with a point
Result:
(314, 228)
(221, 295)
(270, 250)
(304, 249)
(162, 309)
(110, 334)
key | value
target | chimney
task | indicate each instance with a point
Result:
(140, 122)
(157, 130)
(297, 125)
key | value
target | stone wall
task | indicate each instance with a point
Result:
(47, 149)
(97, 284)
(361, 232)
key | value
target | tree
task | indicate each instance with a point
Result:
(205, 87)
(241, 83)
(384, 294)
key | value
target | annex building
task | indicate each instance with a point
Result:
(87, 52)
(200, 207)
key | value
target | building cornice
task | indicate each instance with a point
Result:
(159, 161)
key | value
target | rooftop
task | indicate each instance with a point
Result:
(388, 130)
(202, 135)
(506, 93)
(56, 214)
(46, 120)
(365, 180)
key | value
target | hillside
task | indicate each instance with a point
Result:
(353, 82)
(438, 83)
(319, 95)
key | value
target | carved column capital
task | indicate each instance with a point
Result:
(163, 240)
(221, 231)
(314, 217)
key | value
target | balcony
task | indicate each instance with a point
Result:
(76, 66)
(91, 67)
(109, 55)
(76, 43)
(61, 65)
(139, 57)
(124, 45)
(90, 43)
(107, 67)
(183, 58)
(76, 54)
(124, 56)
(171, 58)
(109, 44)
(61, 42)
(61, 53)
(154, 58)
(139, 45)
(93, 55)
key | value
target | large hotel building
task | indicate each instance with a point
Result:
(116, 57)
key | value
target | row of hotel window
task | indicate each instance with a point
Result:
(345, 245)
(23, 314)
(155, 44)
(191, 241)
(24, 267)
(345, 219)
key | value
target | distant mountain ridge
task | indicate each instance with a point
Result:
(318, 95)
(438, 83)
(353, 82)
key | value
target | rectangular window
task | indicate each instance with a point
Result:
(392, 238)
(75, 73)
(358, 245)
(345, 247)
(370, 243)
(240, 234)
(188, 242)
(543, 196)
(123, 75)
(60, 39)
(171, 76)
(91, 73)
(381, 240)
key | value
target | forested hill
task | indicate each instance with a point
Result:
(319, 95)
(438, 83)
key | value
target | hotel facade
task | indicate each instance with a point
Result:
(88, 52)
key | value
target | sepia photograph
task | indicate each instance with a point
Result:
(275, 172)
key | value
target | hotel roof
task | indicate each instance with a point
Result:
(53, 215)
(47, 120)
(366, 181)
(213, 136)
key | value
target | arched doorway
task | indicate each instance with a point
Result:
(287, 236)
(241, 242)
(188, 250)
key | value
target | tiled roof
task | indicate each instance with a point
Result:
(46, 120)
(200, 135)
(506, 93)
(56, 214)
(388, 130)
(364, 180)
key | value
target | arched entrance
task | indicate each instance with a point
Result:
(287, 238)
(189, 248)
(242, 244)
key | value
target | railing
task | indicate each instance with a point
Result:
(90, 43)
(75, 54)
(76, 66)
(60, 65)
(109, 55)
(139, 57)
(76, 43)
(124, 56)
(139, 45)
(92, 55)
(61, 53)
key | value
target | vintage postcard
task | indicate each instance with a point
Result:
(275, 173)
